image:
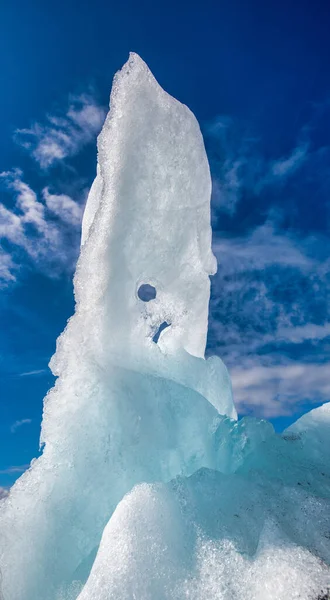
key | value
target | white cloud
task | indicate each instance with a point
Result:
(32, 211)
(262, 247)
(239, 166)
(65, 135)
(235, 163)
(64, 207)
(284, 167)
(7, 267)
(309, 331)
(28, 209)
(86, 113)
(10, 226)
(14, 470)
(19, 424)
(35, 372)
(276, 390)
(47, 229)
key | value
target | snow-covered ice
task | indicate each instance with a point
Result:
(148, 487)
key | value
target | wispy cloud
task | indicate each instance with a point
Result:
(63, 134)
(263, 246)
(276, 390)
(239, 167)
(31, 373)
(63, 207)
(14, 470)
(7, 268)
(230, 155)
(308, 332)
(19, 424)
(46, 228)
(285, 166)
(29, 211)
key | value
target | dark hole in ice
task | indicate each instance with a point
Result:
(146, 292)
(161, 328)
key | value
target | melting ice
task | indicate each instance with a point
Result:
(148, 487)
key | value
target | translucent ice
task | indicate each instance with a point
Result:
(148, 487)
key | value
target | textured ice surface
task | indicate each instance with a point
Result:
(148, 487)
(256, 527)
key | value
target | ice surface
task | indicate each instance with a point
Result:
(148, 487)
(210, 536)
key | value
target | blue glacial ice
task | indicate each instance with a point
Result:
(148, 487)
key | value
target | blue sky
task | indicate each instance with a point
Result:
(256, 75)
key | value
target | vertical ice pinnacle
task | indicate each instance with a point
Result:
(148, 217)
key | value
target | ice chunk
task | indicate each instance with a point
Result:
(214, 536)
(313, 430)
(148, 219)
(257, 527)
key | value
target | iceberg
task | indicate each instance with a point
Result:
(148, 486)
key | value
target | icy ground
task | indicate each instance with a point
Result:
(148, 487)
